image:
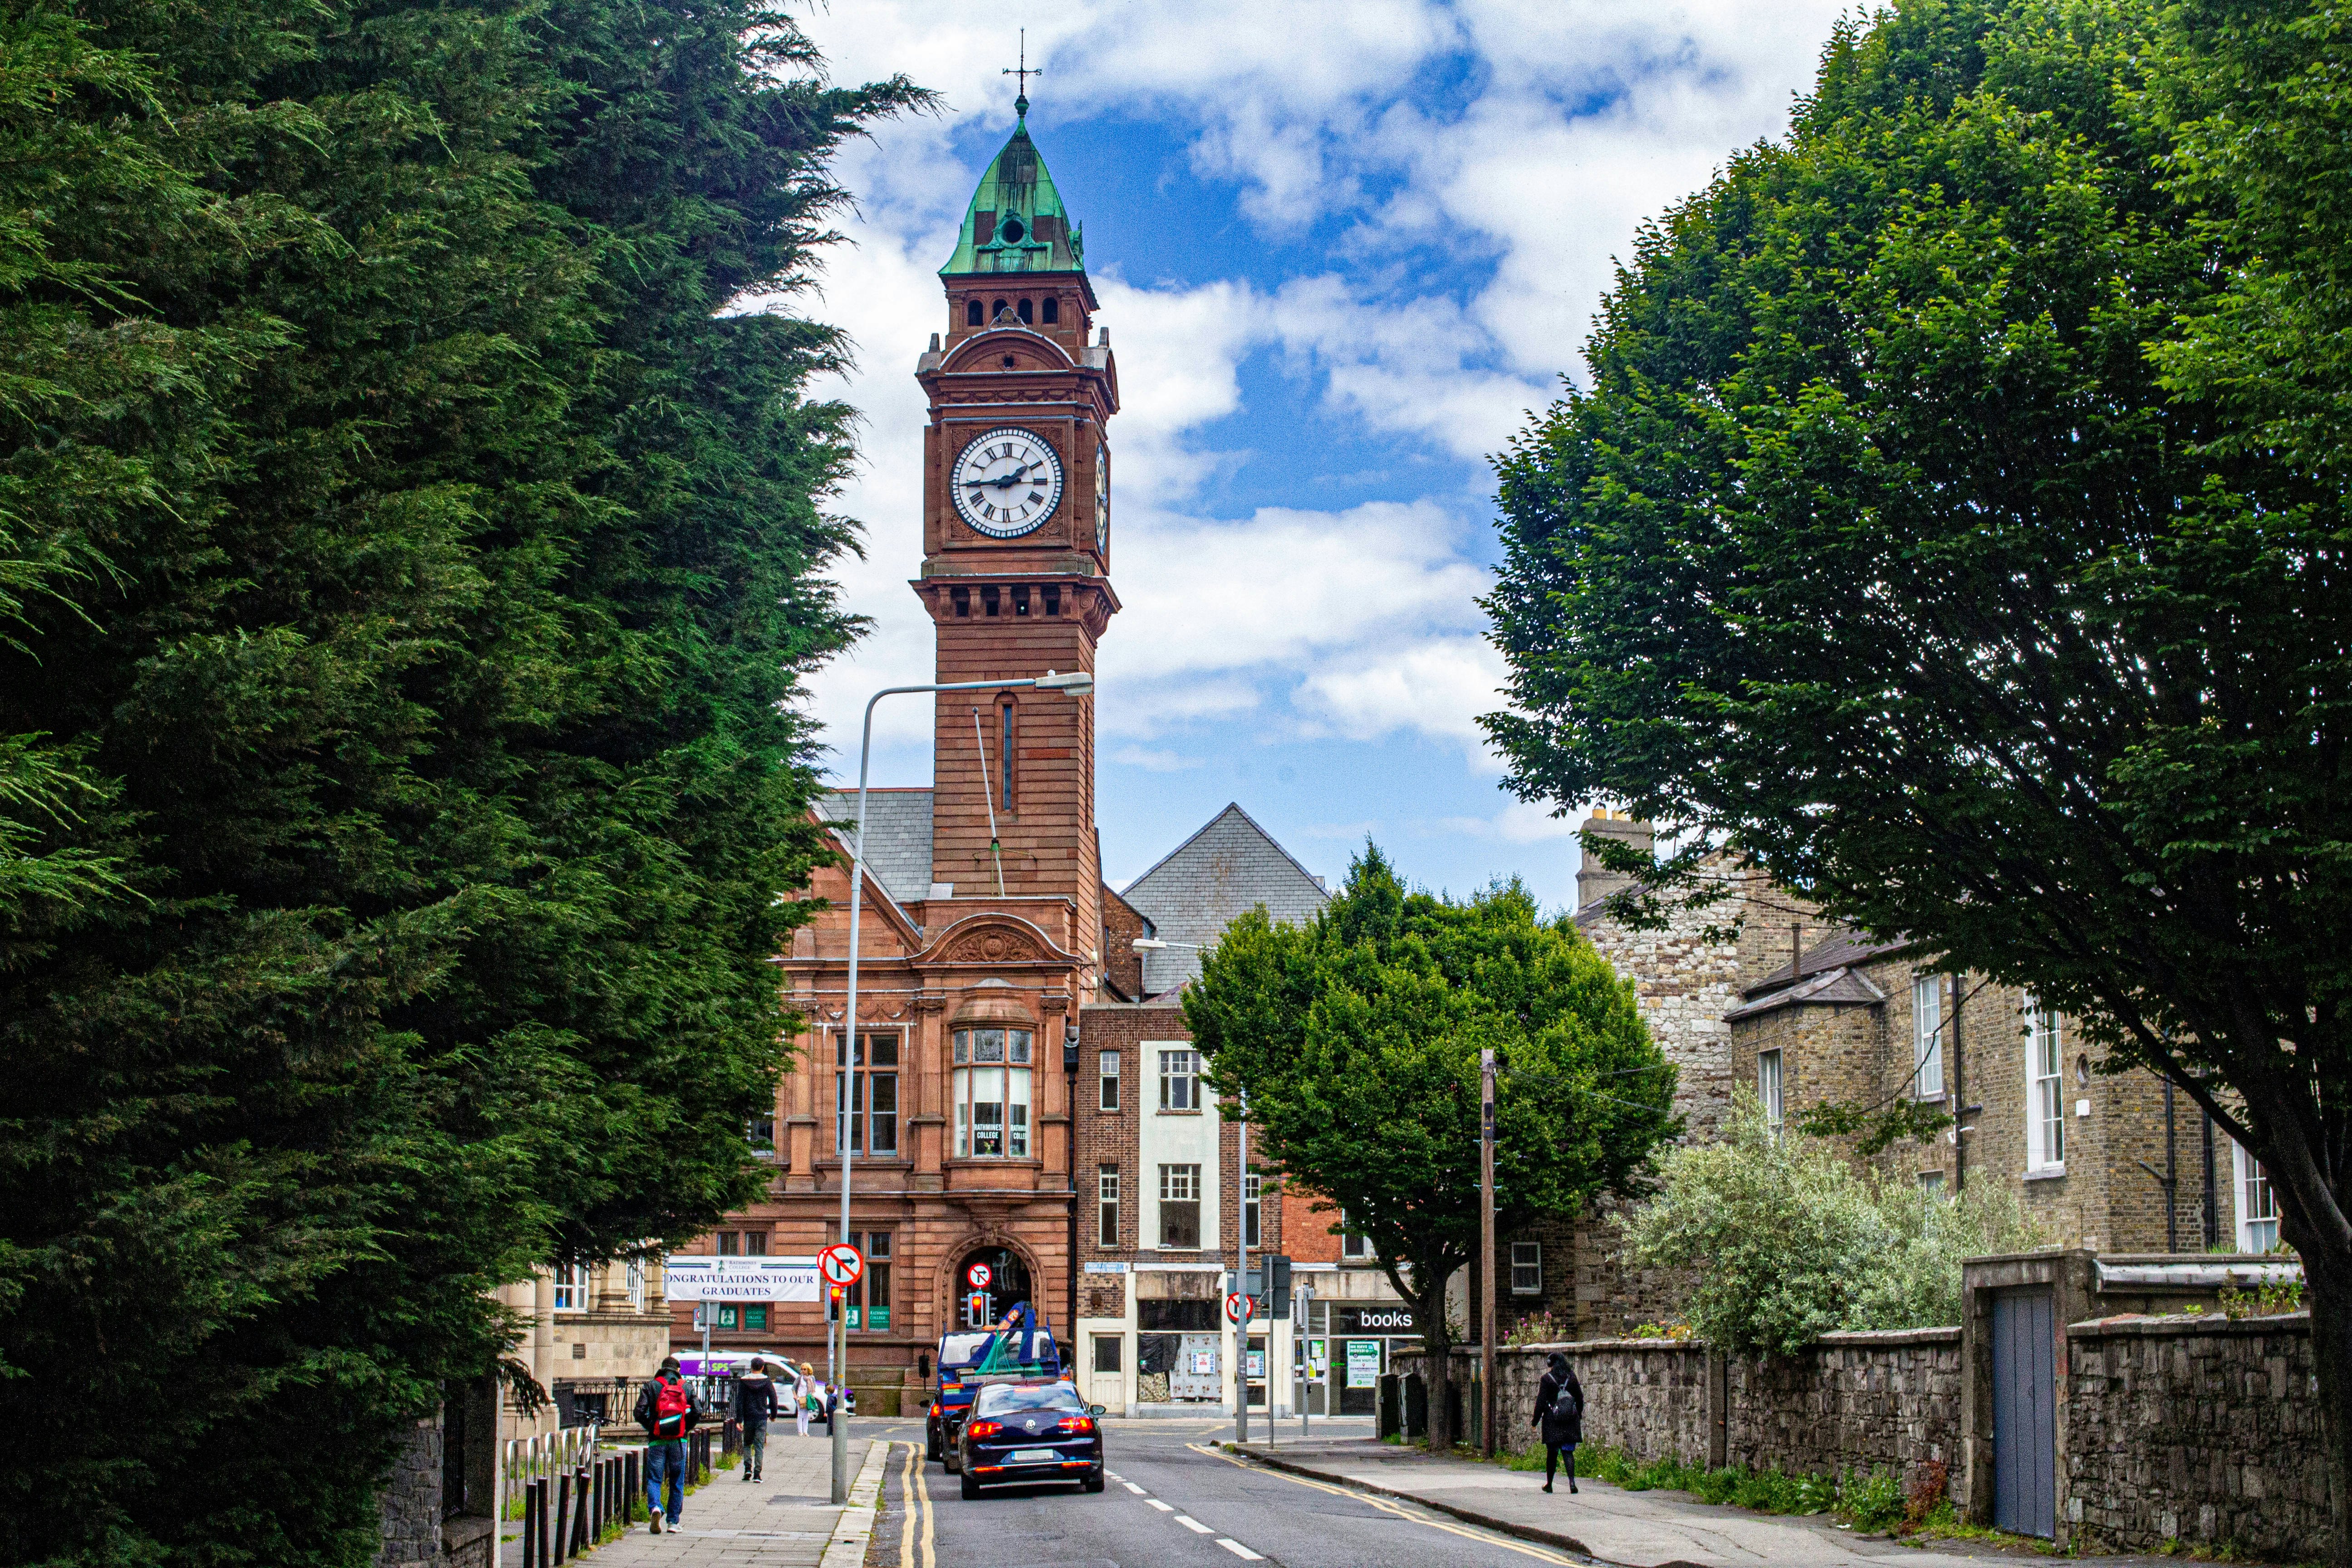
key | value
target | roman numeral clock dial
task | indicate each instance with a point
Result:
(1007, 482)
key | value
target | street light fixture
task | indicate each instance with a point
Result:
(1077, 683)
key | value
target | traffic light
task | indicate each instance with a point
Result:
(833, 1297)
(976, 1308)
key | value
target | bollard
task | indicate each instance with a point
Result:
(530, 1525)
(632, 1486)
(562, 1517)
(581, 1540)
(546, 1495)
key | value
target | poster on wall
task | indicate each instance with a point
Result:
(1363, 1363)
(1255, 1367)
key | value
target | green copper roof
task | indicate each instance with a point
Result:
(1016, 221)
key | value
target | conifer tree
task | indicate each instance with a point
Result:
(409, 548)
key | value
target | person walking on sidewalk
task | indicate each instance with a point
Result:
(755, 1401)
(667, 1411)
(804, 1398)
(1560, 1414)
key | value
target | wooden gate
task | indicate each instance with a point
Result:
(2025, 1413)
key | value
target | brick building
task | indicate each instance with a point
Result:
(998, 976)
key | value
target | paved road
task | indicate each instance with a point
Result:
(1176, 1502)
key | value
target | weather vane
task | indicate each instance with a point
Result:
(1024, 70)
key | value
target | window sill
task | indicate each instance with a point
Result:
(1163, 1110)
(2047, 1174)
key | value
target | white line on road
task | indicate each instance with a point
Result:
(1238, 1550)
(1133, 1486)
(1164, 1508)
(1194, 1525)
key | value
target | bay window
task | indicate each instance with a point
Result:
(990, 1084)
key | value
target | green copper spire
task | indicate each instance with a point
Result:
(1016, 221)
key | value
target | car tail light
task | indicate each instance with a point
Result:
(984, 1428)
(1077, 1423)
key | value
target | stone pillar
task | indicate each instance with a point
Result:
(542, 1328)
(410, 1505)
(613, 1287)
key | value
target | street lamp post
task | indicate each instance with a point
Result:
(1078, 683)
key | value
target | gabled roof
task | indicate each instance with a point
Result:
(1839, 951)
(1041, 238)
(1228, 867)
(897, 835)
(1838, 985)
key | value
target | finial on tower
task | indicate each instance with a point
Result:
(1024, 71)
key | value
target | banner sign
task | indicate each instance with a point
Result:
(698, 1276)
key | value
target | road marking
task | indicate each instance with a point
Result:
(1194, 1525)
(1115, 1476)
(1162, 1507)
(923, 1492)
(907, 1505)
(1392, 1506)
(1133, 1486)
(1238, 1550)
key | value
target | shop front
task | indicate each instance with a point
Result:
(1349, 1347)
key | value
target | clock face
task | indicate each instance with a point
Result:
(1007, 482)
(1102, 499)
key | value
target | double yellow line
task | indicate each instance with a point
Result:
(1392, 1506)
(915, 1496)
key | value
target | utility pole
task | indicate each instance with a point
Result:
(1241, 1283)
(1486, 1251)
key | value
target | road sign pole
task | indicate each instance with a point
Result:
(1241, 1283)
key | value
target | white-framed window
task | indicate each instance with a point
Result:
(1180, 1206)
(1931, 1183)
(990, 1082)
(1180, 1081)
(572, 1288)
(1107, 1205)
(1355, 1246)
(1767, 1087)
(1927, 1037)
(2257, 1205)
(2045, 1088)
(865, 1096)
(1251, 1188)
(1526, 1269)
(1109, 1071)
(637, 1284)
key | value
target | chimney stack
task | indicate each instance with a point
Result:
(1594, 881)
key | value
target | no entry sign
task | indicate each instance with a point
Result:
(1238, 1307)
(841, 1264)
(979, 1275)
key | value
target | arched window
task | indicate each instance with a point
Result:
(997, 311)
(1024, 310)
(971, 314)
(1052, 310)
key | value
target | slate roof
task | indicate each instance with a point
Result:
(1839, 984)
(1836, 952)
(1228, 867)
(897, 835)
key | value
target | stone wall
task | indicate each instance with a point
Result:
(1884, 1400)
(2196, 1429)
(410, 1503)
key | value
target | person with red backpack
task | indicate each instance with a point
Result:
(667, 1411)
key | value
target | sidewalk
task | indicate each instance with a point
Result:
(782, 1520)
(1635, 1529)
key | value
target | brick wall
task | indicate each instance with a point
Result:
(2197, 1429)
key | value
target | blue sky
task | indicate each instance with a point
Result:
(1343, 249)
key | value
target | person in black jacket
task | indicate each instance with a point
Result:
(1559, 1413)
(755, 1402)
(670, 1412)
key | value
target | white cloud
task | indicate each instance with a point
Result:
(1157, 761)
(1519, 822)
(1571, 121)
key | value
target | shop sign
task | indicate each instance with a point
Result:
(1363, 1363)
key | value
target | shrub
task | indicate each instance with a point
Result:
(1874, 1503)
(1789, 1242)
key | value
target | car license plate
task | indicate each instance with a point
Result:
(1032, 1456)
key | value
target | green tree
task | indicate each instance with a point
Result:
(1785, 1240)
(1880, 548)
(1357, 1039)
(410, 552)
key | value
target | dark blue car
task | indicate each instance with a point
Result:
(1020, 1432)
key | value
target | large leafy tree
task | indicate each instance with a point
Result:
(1880, 546)
(1357, 1041)
(407, 555)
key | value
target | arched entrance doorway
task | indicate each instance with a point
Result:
(1007, 1287)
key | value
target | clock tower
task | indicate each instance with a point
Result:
(1016, 542)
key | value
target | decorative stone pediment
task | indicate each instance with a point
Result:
(995, 941)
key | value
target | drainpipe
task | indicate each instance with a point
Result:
(1959, 1098)
(2212, 1204)
(2171, 1175)
(1070, 1088)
